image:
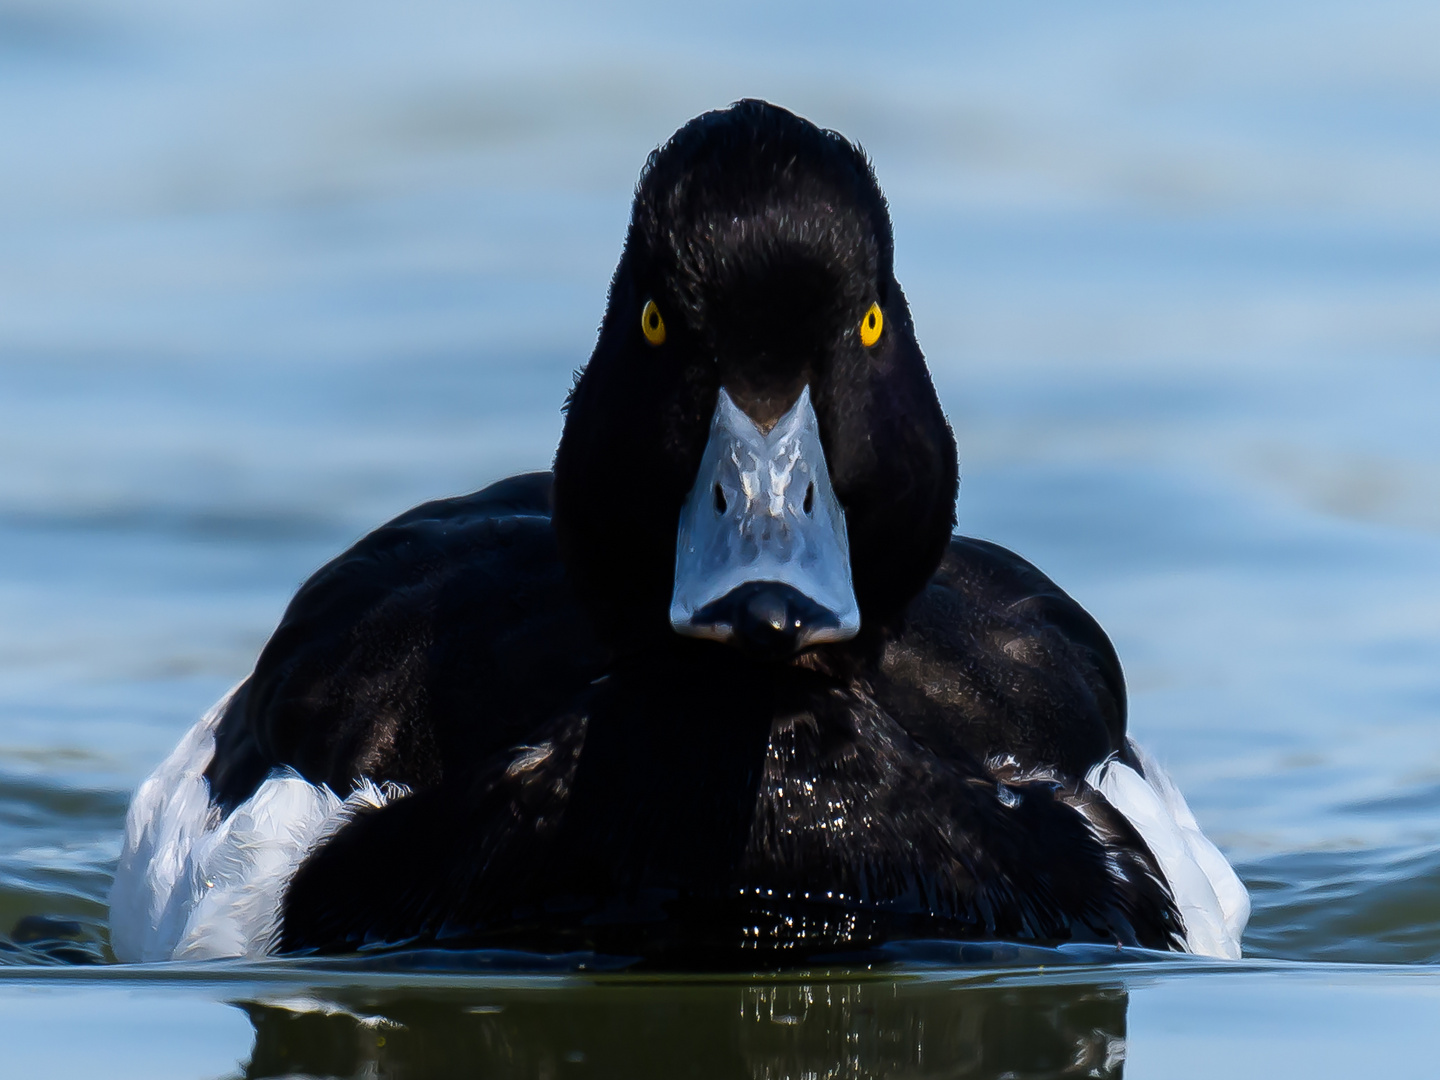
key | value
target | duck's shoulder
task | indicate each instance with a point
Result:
(525, 495)
(997, 659)
(433, 640)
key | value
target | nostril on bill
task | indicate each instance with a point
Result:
(809, 503)
(720, 503)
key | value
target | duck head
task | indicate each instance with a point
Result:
(755, 453)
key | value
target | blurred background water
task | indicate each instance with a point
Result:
(271, 273)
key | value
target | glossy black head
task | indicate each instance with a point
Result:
(757, 246)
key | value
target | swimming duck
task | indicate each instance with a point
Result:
(722, 688)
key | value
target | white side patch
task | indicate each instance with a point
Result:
(190, 885)
(169, 812)
(1211, 898)
(235, 879)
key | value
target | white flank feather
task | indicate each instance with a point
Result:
(168, 813)
(1211, 898)
(191, 885)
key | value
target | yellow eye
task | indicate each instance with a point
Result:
(871, 325)
(652, 324)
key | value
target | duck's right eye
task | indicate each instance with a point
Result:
(871, 325)
(652, 324)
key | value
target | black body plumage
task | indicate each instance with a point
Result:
(582, 777)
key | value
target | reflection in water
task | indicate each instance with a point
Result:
(884, 1028)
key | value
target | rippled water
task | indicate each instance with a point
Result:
(270, 273)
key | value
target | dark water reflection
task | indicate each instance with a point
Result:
(769, 1032)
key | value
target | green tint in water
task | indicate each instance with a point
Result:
(1351, 905)
(1084, 1022)
(722, 1030)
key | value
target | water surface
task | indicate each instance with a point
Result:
(270, 274)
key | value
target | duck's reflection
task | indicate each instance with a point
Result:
(671, 1029)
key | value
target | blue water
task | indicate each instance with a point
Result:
(271, 273)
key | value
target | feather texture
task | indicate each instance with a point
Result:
(1212, 900)
(193, 885)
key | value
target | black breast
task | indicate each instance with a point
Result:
(682, 802)
(704, 812)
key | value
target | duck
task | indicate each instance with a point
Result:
(722, 688)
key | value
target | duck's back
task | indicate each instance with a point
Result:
(407, 660)
(434, 746)
(436, 640)
(695, 807)
(998, 663)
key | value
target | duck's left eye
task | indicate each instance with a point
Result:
(871, 325)
(652, 324)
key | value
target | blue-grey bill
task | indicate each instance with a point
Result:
(762, 510)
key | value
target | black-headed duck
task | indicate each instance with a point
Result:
(723, 689)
